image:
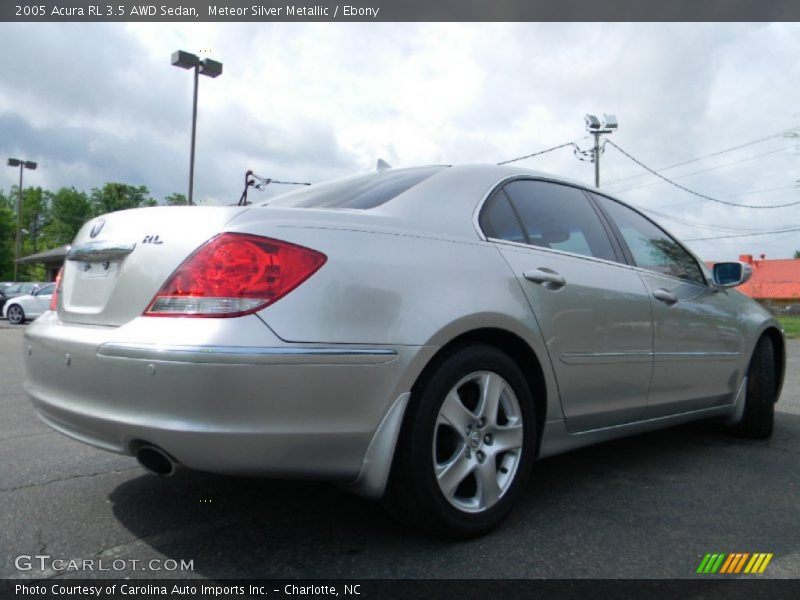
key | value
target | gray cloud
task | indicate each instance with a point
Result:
(99, 102)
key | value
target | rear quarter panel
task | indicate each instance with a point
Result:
(390, 287)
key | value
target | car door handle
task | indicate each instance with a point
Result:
(550, 279)
(665, 296)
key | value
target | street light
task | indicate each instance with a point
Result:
(209, 68)
(22, 164)
(597, 128)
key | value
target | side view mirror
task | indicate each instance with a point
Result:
(731, 274)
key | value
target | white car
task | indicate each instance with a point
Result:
(28, 307)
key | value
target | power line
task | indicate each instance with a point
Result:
(574, 144)
(251, 180)
(722, 237)
(714, 168)
(763, 190)
(698, 194)
(703, 225)
(794, 189)
(713, 154)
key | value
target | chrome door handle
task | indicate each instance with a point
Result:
(550, 279)
(665, 296)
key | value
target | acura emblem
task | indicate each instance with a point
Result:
(97, 228)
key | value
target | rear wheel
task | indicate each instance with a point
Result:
(15, 314)
(466, 447)
(759, 408)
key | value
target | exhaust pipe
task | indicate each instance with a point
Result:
(155, 461)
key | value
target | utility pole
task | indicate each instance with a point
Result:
(597, 128)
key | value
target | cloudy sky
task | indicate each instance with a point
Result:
(93, 103)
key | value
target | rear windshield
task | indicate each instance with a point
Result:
(359, 191)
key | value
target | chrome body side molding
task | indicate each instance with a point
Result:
(247, 354)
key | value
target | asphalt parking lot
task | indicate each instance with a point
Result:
(649, 506)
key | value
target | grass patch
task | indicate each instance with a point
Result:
(791, 326)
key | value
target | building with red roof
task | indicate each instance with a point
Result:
(774, 282)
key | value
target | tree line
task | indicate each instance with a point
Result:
(51, 219)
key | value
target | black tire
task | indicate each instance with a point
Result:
(15, 314)
(759, 405)
(413, 493)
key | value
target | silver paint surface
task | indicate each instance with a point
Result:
(316, 385)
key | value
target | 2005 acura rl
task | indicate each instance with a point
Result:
(420, 334)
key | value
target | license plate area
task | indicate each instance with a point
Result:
(96, 270)
(88, 285)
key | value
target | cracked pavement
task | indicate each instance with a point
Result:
(648, 506)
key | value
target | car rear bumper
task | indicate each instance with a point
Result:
(277, 409)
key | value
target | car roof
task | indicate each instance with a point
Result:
(446, 202)
(444, 205)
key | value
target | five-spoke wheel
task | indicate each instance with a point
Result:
(467, 444)
(15, 314)
(478, 440)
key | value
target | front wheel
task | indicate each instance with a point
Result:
(759, 402)
(15, 314)
(467, 445)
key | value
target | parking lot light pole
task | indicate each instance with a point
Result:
(22, 164)
(209, 68)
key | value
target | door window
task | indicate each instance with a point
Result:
(652, 248)
(548, 215)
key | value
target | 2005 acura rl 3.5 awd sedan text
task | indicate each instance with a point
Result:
(421, 335)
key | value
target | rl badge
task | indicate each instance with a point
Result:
(734, 563)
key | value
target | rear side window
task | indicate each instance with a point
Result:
(652, 248)
(360, 191)
(499, 221)
(548, 215)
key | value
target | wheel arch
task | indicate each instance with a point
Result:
(379, 461)
(512, 344)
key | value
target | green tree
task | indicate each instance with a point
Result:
(120, 196)
(797, 253)
(35, 215)
(8, 227)
(69, 210)
(176, 199)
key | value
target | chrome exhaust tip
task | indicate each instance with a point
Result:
(155, 461)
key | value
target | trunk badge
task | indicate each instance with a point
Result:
(97, 228)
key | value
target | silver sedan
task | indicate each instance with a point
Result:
(420, 335)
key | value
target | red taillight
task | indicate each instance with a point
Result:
(234, 274)
(56, 291)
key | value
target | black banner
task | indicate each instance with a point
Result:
(399, 10)
(711, 588)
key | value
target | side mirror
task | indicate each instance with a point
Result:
(731, 274)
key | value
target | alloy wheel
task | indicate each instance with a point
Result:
(15, 315)
(477, 443)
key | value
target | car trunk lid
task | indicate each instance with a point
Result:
(118, 261)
